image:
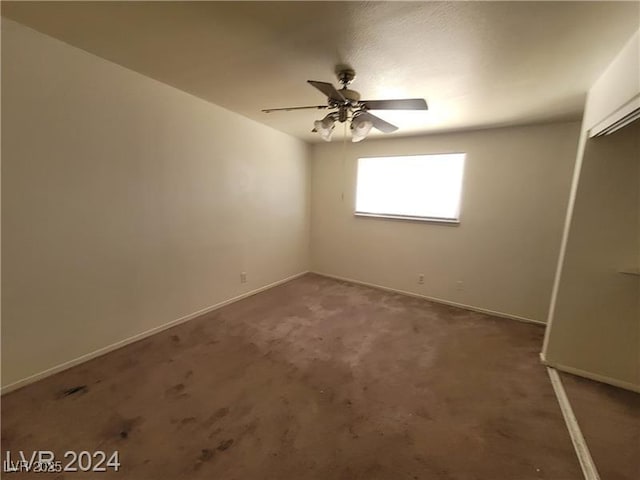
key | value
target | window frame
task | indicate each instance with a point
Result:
(413, 218)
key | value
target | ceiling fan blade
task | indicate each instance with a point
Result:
(404, 104)
(380, 124)
(329, 90)
(288, 109)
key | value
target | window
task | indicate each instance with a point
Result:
(417, 187)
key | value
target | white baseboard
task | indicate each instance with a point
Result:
(114, 346)
(433, 299)
(591, 376)
(579, 444)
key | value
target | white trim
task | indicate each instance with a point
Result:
(582, 451)
(114, 346)
(432, 299)
(591, 376)
(445, 221)
(622, 117)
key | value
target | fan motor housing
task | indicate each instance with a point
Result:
(350, 95)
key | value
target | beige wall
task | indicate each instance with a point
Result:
(596, 321)
(505, 249)
(127, 204)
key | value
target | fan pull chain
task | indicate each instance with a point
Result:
(344, 157)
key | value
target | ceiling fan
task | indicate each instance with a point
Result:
(346, 105)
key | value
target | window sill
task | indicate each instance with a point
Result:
(442, 221)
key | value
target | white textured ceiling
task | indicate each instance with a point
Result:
(478, 64)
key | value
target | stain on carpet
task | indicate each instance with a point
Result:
(79, 390)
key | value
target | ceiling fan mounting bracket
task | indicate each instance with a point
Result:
(346, 76)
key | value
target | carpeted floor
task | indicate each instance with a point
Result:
(314, 379)
(609, 419)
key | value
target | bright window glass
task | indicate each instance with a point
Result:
(425, 187)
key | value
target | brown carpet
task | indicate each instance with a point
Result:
(314, 379)
(609, 419)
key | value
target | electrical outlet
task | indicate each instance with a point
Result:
(243, 277)
(459, 285)
(421, 279)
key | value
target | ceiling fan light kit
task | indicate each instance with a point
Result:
(325, 127)
(360, 128)
(347, 106)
